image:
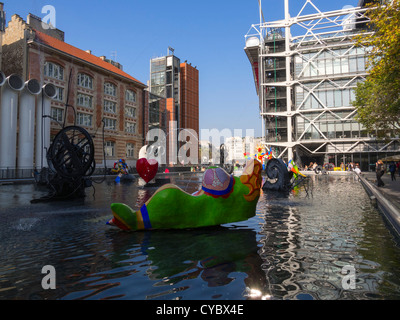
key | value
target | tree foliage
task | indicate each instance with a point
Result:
(378, 98)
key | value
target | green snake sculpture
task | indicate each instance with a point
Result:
(222, 199)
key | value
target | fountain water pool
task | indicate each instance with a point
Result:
(327, 242)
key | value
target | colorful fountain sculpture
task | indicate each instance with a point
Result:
(222, 199)
(121, 168)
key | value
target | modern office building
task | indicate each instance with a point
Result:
(178, 83)
(306, 67)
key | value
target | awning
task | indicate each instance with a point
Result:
(392, 158)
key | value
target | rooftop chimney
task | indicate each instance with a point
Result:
(2, 18)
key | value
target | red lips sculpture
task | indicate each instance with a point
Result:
(147, 169)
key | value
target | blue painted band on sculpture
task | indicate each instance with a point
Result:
(146, 218)
(222, 192)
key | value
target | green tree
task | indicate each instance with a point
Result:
(378, 98)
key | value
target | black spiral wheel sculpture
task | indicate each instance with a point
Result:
(277, 171)
(71, 163)
(72, 153)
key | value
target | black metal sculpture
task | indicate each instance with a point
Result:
(279, 176)
(70, 160)
(281, 179)
(320, 169)
(71, 163)
(72, 153)
(223, 155)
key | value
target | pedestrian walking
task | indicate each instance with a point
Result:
(380, 171)
(392, 170)
(398, 167)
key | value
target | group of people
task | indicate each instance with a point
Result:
(381, 169)
(311, 167)
(351, 167)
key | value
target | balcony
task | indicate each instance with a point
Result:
(271, 95)
(274, 80)
(272, 65)
(273, 137)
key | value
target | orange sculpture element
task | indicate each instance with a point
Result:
(252, 179)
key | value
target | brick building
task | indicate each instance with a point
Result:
(95, 89)
(189, 117)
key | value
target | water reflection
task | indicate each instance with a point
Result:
(308, 240)
(174, 262)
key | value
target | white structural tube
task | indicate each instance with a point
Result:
(43, 122)
(26, 136)
(8, 122)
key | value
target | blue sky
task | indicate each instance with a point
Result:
(209, 34)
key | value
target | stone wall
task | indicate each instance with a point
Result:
(14, 47)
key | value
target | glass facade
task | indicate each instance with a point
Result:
(158, 76)
(332, 61)
(323, 87)
(157, 114)
(325, 92)
(164, 77)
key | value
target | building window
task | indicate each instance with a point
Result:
(84, 119)
(130, 112)
(130, 127)
(158, 65)
(130, 96)
(84, 100)
(330, 62)
(110, 149)
(130, 150)
(158, 79)
(57, 114)
(85, 81)
(110, 124)
(53, 70)
(110, 89)
(110, 106)
(59, 94)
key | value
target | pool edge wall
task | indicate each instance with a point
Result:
(389, 211)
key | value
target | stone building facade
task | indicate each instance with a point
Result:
(91, 91)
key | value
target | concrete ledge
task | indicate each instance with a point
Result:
(4, 182)
(388, 209)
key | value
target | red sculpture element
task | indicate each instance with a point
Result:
(147, 169)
